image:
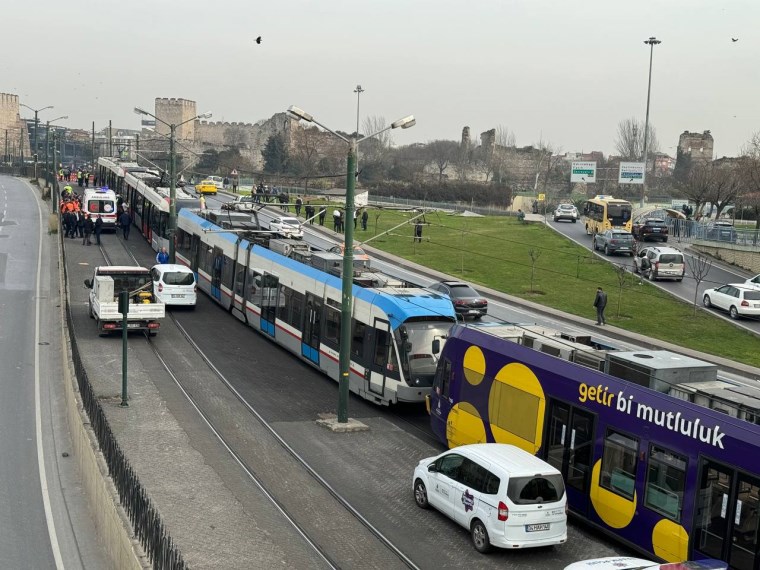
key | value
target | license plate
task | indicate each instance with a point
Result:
(176, 296)
(133, 325)
(474, 312)
(536, 527)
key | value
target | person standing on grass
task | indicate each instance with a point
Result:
(600, 302)
(365, 217)
(322, 214)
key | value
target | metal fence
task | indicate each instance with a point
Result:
(146, 522)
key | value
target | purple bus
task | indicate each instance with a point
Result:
(665, 476)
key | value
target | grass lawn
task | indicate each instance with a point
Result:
(533, 262)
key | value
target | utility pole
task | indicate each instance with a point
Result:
(651, 42)
(92, 150)
(110, 141)
(173, 196)
(358, 92)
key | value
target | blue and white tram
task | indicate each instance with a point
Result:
(112, 171)
(149, 206)
(395, 333)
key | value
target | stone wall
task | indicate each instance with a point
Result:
(10, 121)
(699, 146)
(174, 112)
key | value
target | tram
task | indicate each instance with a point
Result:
(112, 171)
(394, 331)
(665, 475)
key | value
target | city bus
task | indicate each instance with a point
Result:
(605, 213)
(642, 460)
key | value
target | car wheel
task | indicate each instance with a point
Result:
(665, 240)
(650, 275)
(92, 315)
(706, 301)
(480, 539)
(733, 313)
(575, 221)
(606, 249)
(630, 254)
(420, 494)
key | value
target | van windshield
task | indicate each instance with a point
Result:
(536, 489)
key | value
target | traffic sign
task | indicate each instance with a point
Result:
(583, 172)
(631, 173)
(234, 172)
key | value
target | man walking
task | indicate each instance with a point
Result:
(125, 221)
(600, 302)
(89, 226)
(98, 228)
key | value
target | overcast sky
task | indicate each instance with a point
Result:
(565, 72)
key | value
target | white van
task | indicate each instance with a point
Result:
(174, 284)
(101, 202)
(217, 180)
(503, 495)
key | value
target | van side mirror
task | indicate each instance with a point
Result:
(436, 348)
(88, 283)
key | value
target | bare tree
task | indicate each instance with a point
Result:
(700, 266)
(726, 183)
(534, 255)
(621, 272)
(374, 124)
(305, 156)
(442, 153)
(749, 172)
(504, 137)
(629, 143)
(465, 159)
(696, 185)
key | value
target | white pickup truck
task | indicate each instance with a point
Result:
(145, 310)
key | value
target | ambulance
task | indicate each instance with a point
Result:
(102, 202)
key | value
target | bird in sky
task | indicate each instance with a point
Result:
(732, 39)
(258, 40)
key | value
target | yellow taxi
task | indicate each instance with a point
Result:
(206, 187)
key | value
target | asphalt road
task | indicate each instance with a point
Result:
(718, 274)
(44, 518)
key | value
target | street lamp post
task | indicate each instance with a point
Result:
(358, 92)
(651, 42)
(347, 281)
(47, 162)
(36, 122)
(172, 182)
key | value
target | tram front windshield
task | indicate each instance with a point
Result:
(415, 340)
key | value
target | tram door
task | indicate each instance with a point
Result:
(195, 248)
(216, 273)
(382, 357)
(311, 328)
(569, 448)
(145, 226)
(727, 516)
(269, 287)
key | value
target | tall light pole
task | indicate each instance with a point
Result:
(651, 42)
(36, 112)
(47, 161)
(172, 182)
(358, 92)
(347, 281)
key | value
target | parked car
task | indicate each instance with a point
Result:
(660, 263)
(467, 301)
(720, 230)
(287, 226)
(753, 282)
(736, 298)
(614, 241)
(630, 563)
(503, 495)
(654, 229)
(566, 212)
(205, 187)
(174, 284)
(239, 204)
(359, 253)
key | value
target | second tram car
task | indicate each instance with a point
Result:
(394, 331)
(664, 475)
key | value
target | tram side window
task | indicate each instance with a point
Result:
(227, 270)
(183, 242)
(206, 259)
(297, 301)
(666, 481)
(332, 325)
(384, 356)
(619, 464)
(254, 288)
(358, 333)
(240, 272)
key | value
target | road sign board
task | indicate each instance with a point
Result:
(541, 197)
(631, 173)
(583, 172)
(234, 172)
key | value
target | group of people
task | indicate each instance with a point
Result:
(77, 223)
(83, 176)
(339, 221)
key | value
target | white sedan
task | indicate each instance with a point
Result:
(754, 282)
(736, 298)
(287, 226)
(629, 563)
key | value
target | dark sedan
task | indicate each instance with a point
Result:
(466, 300)
(614, 241)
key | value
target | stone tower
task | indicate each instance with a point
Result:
(174, 112)
(12, 128)
(465, 137)
(697, 146)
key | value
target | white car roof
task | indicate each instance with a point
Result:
(613, 563)
(516, 460)
(176, 267)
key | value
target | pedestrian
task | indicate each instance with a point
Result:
(89, 226)
(418, 231)
(202, 200)
(299, 203)
(225, 183)
(125, 221)
(365, 217)
(86, 179)
(336, 220)
(310, 213)
(80, 180)
(322, 214)
(356, 217)
(80, 223)
(600, 302)
(98, 228)
(162, 256)
(235, 180)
